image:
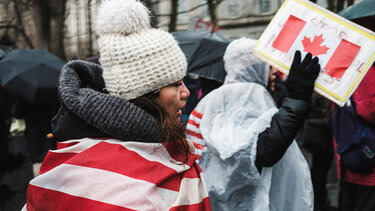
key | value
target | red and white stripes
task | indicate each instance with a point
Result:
(193, 131)
(114, 175)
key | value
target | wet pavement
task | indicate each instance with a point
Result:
(18, 180)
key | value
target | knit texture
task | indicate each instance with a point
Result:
(81, 93)
(135, 58)
(122, 16)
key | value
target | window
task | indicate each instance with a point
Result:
(233, 8)
(183, 17)
(264, 6)
(204, 13)
(156, 9)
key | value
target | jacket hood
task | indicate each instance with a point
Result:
(87, 110)
(242, 66)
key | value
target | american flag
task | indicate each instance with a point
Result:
(110, 174)
(193, 131)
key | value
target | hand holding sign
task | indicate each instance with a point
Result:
(302, 76)
(345, 49)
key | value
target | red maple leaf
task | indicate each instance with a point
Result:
(314, 47)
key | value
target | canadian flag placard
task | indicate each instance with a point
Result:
(345, 50)
(335, 54)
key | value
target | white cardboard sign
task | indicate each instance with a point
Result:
(346, 50)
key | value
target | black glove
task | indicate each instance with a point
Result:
(302, 75)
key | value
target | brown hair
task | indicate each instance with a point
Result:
(172, 130)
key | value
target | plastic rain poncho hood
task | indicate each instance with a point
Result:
(225, 126)
(242, 66)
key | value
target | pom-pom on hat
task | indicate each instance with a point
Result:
(136, 59)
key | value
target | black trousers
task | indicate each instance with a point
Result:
(321, 163)
(353, 197)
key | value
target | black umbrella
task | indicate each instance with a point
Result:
(32, 75)
(362, 13)
(207, 61)
(189, 41)
(362, 9)
(204, 53)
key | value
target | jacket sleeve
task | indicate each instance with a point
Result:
(364, 97)
(275, 140)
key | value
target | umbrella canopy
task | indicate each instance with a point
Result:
(31, 75)
(4, 51)
(189, 41)
(207, 61)
(204, 53)
(362, 9)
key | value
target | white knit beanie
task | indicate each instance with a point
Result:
(136, 59)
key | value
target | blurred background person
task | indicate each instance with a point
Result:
(357, 190)
(316, 138)
(38, 125)
(247, 143)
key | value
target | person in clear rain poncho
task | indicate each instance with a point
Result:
(248, 152)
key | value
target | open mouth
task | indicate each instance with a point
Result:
(180, 110)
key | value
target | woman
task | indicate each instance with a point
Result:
(126, 146)
(248, 154)
(123, 144)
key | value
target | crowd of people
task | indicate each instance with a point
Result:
(124, 143)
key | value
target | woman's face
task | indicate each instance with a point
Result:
(172, 98)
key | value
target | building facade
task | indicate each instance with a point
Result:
(235, 18)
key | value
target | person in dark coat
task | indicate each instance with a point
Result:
(4, 129)
(317, 139)
(241, 133)
(38, 124)
(357, 190)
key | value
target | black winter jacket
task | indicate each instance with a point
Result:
(275, 140)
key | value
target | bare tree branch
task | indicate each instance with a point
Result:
(8, 27)
(173, 16)
(17, 29)
(248, 16)
(22, 3)
(90, 28)
(21, 27)
(182, 12)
